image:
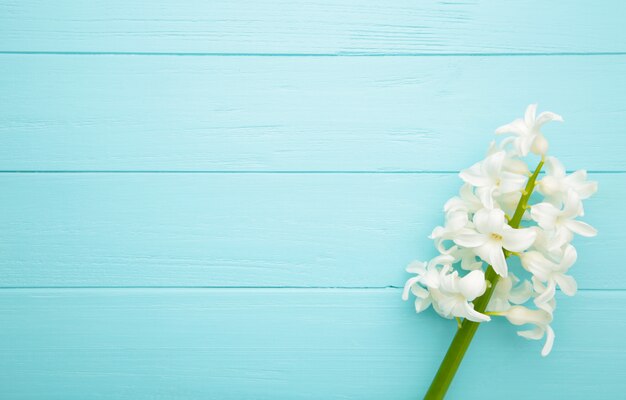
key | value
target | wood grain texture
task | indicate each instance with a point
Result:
(229, 192)
(310, 230)
(299, 113)
(288, 344)
(305, 27)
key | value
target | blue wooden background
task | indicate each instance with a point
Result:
(217, 199)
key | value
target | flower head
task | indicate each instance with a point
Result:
(477, 232)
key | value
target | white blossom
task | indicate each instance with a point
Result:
(527, 131)
(467, 201)
(509, 291)
(491, 235)
(520, 315)
(466, 256)
(455, 222)
(449, 294)
(491, 179)
(479, 230)
(556, 184)
(562, 220)
(551, 273)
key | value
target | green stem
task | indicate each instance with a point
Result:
(465, 333)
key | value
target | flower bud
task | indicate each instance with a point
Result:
(540, 145)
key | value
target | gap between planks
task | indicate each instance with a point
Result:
(246, 288)
(338, 54)
(313, 172)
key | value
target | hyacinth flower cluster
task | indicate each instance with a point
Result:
(504, 210)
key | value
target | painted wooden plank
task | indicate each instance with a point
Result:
(304, 230)
(296, 27)
(299, 113)
(288, 344)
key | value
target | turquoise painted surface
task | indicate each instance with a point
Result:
(217, 199)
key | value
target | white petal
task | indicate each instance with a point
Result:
(518, 239)
(485, 194)
(468, 260)
(492, 253)
(511, 182)
(533, 334)
(547, 347)
(446, 304)
(554, 167)
(549, 186)
(567, 284)
(547, 295)
(470, 238)
(407, 286)
(573, 206)
(438, 232)
(545, 215)
(539, 144)
(521, 293)
(529, 115)
(422, 304)
(474, 315)
(481, 220)
(490, 221)
(431, 279)
(516, 166)
(578, 181)
(561, 236)
(473, 285)
(469, 198)
(474, 176)
(454, 204)
(569, 258)
(581, 228)
(420, 292)
(537, 264)
(416, 267)
(524, 143)
(520, 315)
(456, 220)
(493, 164)
(547, 116)
(517, 127)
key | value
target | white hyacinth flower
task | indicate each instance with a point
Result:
(417, 285)
(520, 315)
(495, 217)
(555, 185)
(467, 257)
(553, 274)
(547, 243)
(467, 201)
(455, 222)
(492, 180)
(453, 295)
(491, 236)
(509, 291)
(449, 294)
(527, 131)
(562, 220)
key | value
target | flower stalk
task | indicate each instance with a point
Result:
(467, 329)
